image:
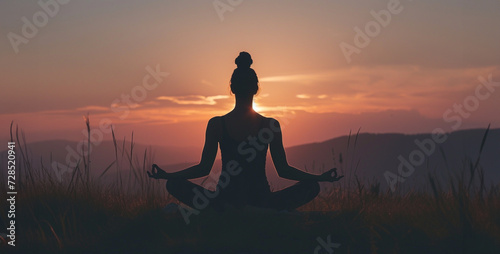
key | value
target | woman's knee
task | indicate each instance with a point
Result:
(173, 185)
(314, 188)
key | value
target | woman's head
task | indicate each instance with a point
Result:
(244, 81)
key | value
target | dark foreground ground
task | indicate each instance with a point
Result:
(83, 228)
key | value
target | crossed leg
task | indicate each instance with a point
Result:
(294, 196)
(186, 192)
(289, 198)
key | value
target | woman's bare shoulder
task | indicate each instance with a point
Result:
(215, 121)
(214, 126)
(268, 119)
(271, 122)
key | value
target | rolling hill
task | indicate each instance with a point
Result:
(370, 157)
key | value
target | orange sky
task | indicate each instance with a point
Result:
(92, 55)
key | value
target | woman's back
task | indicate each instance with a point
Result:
(243, 177)
(241, 125)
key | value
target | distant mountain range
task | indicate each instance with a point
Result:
(370, 157)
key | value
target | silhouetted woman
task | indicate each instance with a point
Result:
(244, 137)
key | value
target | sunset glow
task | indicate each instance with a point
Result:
(170, 74)
(256, 107)
(250, 126)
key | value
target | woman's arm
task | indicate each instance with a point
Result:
(281, 164)
(207, 157)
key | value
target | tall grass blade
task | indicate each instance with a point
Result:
(473, 168)
(107, 168)
(11, 137)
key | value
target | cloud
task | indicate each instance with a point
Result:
(303, 96)
(125, 105)
(206, 82)
(92, 108)
(299, 77)
(309, 96)
(193, 99)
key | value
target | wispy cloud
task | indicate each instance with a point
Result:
(311, 96)
(299, 77)
(303, 96)
(206, 82)
(93, 108)
(193, 99)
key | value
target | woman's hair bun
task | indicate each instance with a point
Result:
(244, 60)
(244, 81)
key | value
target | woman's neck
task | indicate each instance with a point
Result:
(244, 104)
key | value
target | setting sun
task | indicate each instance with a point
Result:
(256, 107)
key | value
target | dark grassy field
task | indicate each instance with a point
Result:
(81, 215)
(52, 221)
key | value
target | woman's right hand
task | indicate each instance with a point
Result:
(328, 177)
(157, 173)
